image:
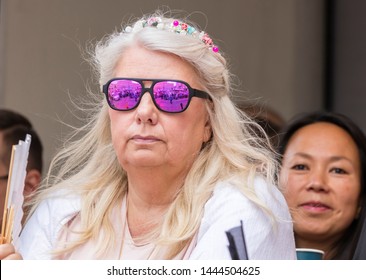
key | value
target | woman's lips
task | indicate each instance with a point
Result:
(315, 206)
(145, 139)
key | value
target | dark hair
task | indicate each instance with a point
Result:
(14, 127)
(269, 119)
(346, 247)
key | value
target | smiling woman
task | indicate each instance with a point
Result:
(323, 176)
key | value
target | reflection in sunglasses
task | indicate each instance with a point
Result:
(172, 96)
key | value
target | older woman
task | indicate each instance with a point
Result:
(323, 176)
(167, 165)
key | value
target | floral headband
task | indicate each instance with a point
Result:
(176, 27)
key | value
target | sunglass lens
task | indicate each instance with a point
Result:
(171, 96)
(124, 94)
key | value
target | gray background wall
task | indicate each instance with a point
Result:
(348, 66)
(275, 48)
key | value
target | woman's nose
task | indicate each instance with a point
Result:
(146, 111)
(318, 181)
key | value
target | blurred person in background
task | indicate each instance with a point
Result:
(14, 127)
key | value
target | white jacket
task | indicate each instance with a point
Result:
(223, 211)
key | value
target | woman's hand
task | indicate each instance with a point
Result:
(7, 252)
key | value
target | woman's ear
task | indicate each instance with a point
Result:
(358, 212)
(32, 181)
(207, 131)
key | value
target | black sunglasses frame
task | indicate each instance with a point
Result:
(192, 92)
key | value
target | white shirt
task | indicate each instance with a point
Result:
(223, 211)
(264, 241)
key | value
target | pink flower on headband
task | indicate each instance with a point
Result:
(153, 21)
(206, 39)
(177, 27)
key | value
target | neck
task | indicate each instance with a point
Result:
(149, 197)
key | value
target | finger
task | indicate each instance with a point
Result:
(6, 250)
(14, 256)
